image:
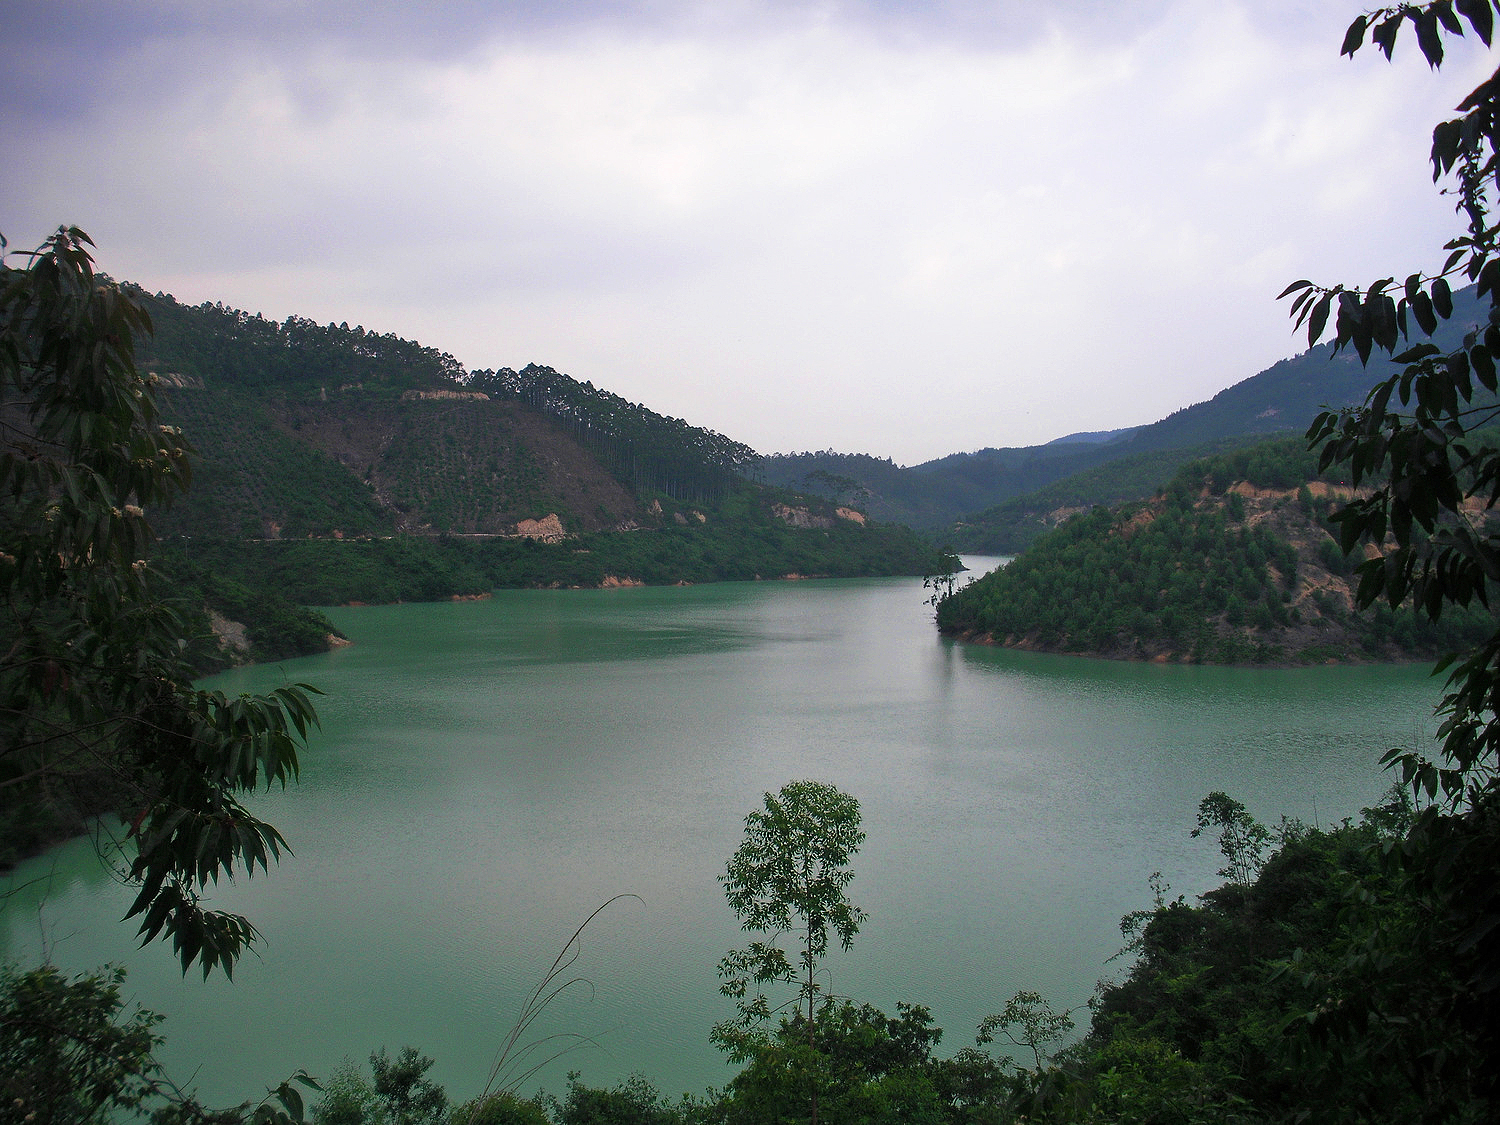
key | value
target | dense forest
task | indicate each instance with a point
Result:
(1236, 561)
(650, 452)
(321, 430)
(1010, 527)
(741, 537)
(229, 347)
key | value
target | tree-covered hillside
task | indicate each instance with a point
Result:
(330, 431)
(318, 444)
(227, 347)
(927, 496)
(1235, 562)
(645, 450)
(747, 535)
(1009, 528)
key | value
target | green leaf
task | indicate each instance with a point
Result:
(1443, 9)
(1385, 33)
(1483, 365)
(1318, 319)
(1428, 38)
(1382, 397)
(1458, 370)
(1426, 317)
(1489, 278)
(1442, 298)
(1417, 352)
(1383, 326)
(1354, 38)
(1480, 17)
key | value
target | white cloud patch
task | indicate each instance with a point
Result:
(804, 230)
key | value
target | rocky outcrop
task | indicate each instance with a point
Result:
(174, 379)
(799, 516)
(548, 529)
(234, 643)
(442, 395)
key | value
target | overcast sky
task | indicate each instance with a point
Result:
(898, 228)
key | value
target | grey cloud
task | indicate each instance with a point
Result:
(68, 58)
(78, 35)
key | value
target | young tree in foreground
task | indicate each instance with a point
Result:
(1242, 839)
(1027, 1021)
(788, 878)
(94, 688)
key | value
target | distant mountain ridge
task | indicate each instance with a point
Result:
(959, 496)
(1094, 437)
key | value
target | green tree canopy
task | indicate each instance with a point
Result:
(95, 689)
(788, 877)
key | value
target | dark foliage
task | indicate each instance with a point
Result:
(738, 541)
(297, 355)
(95, 688)
(650, 452)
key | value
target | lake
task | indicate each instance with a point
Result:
(490, 772)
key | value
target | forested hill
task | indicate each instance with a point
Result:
(974, 488)
(310, 429)
(394, 452)
(1234, 562)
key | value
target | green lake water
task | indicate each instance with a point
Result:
(490, 772)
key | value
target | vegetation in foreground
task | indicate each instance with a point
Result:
(1318, 983)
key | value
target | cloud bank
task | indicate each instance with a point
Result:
(885, 228)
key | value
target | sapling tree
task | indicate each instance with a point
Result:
(1242, 839)
(788, 880)
(1027, 1021)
